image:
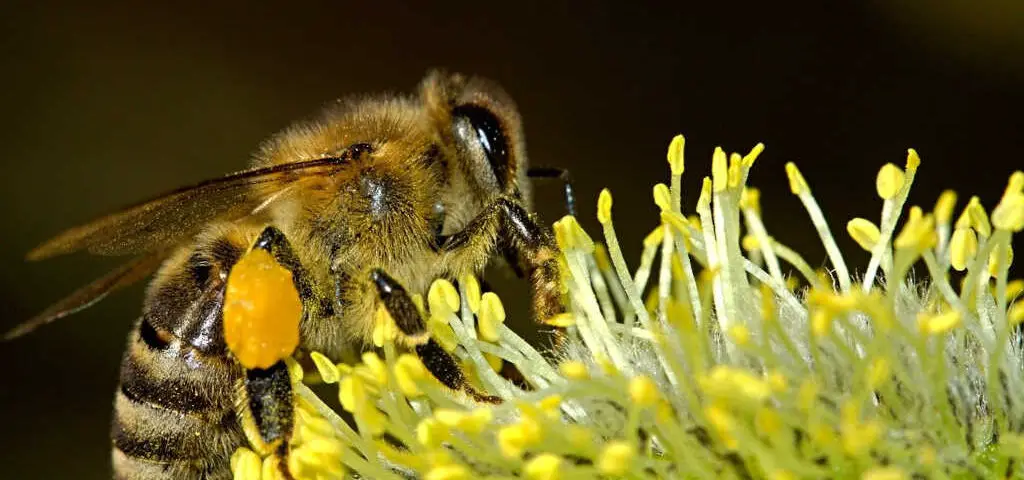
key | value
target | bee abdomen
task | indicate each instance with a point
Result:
(173, 414)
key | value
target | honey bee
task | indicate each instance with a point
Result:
(364, 206)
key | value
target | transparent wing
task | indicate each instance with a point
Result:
(168, 219)
(86, 296)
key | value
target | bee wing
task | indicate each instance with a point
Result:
(84, 297)
(169, 218)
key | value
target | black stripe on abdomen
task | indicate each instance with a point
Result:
(140, 385)
(175, 407)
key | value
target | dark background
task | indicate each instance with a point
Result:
(105, 104)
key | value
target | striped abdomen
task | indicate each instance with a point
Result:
(174, 412)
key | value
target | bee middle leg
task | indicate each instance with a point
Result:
(408, 320)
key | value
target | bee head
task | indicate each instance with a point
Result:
(481, 127)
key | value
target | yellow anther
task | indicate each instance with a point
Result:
(450, 418)
(962, 248)
(777, 381)
(751, 157)
(797, 184)
(857, 437)
(1015, 314)
(377, 368)
(492, 315)
(442, 297)
(822, 434)
(409, 370)
(654, 238)
(705, 194)
(580, 438)
(295, 371)
(384, 328)
(643, 391)
(751, 199)
(878, 373)
(1015, 185)
(731, 382)
(352, 393)
(807, 397)
(694, 221)
(550, 404)
(677, 222)
(944, 207)
(735, 170)
(740, 334)
(262, 310)
(604, 263)
(919, 232)
(472, 287)
(570, 236)
(889, 181)
(767, 421)
(328, 370)
(606, 364)
(885, 473)
(431, 433)
(448, 472)
(245, 464)
(604, 206)
(477, 420)
(563, 237)
(750, 243)
(440, 331)
(913, 160)
(562, 320)
(938, 323)
(719, 170)
(821, 322)
(616, 459)
(513, 439)
(863, 232)
(675, 154)
(723, 423)
(1014, 289)
(574, 370)
(271, 469)
(545, 466)
(1009, 213)
(662, 197)
(978, 218)
(494, 361)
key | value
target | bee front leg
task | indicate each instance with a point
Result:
(409, 322)
(533, 247)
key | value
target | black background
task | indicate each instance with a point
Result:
(106, 103)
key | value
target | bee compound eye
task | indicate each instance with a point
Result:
(480, 130)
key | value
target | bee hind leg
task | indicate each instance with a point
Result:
(268, 412)
(407, 318)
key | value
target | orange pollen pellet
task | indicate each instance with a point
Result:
(262, 311)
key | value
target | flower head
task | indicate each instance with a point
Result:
(723, 353)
